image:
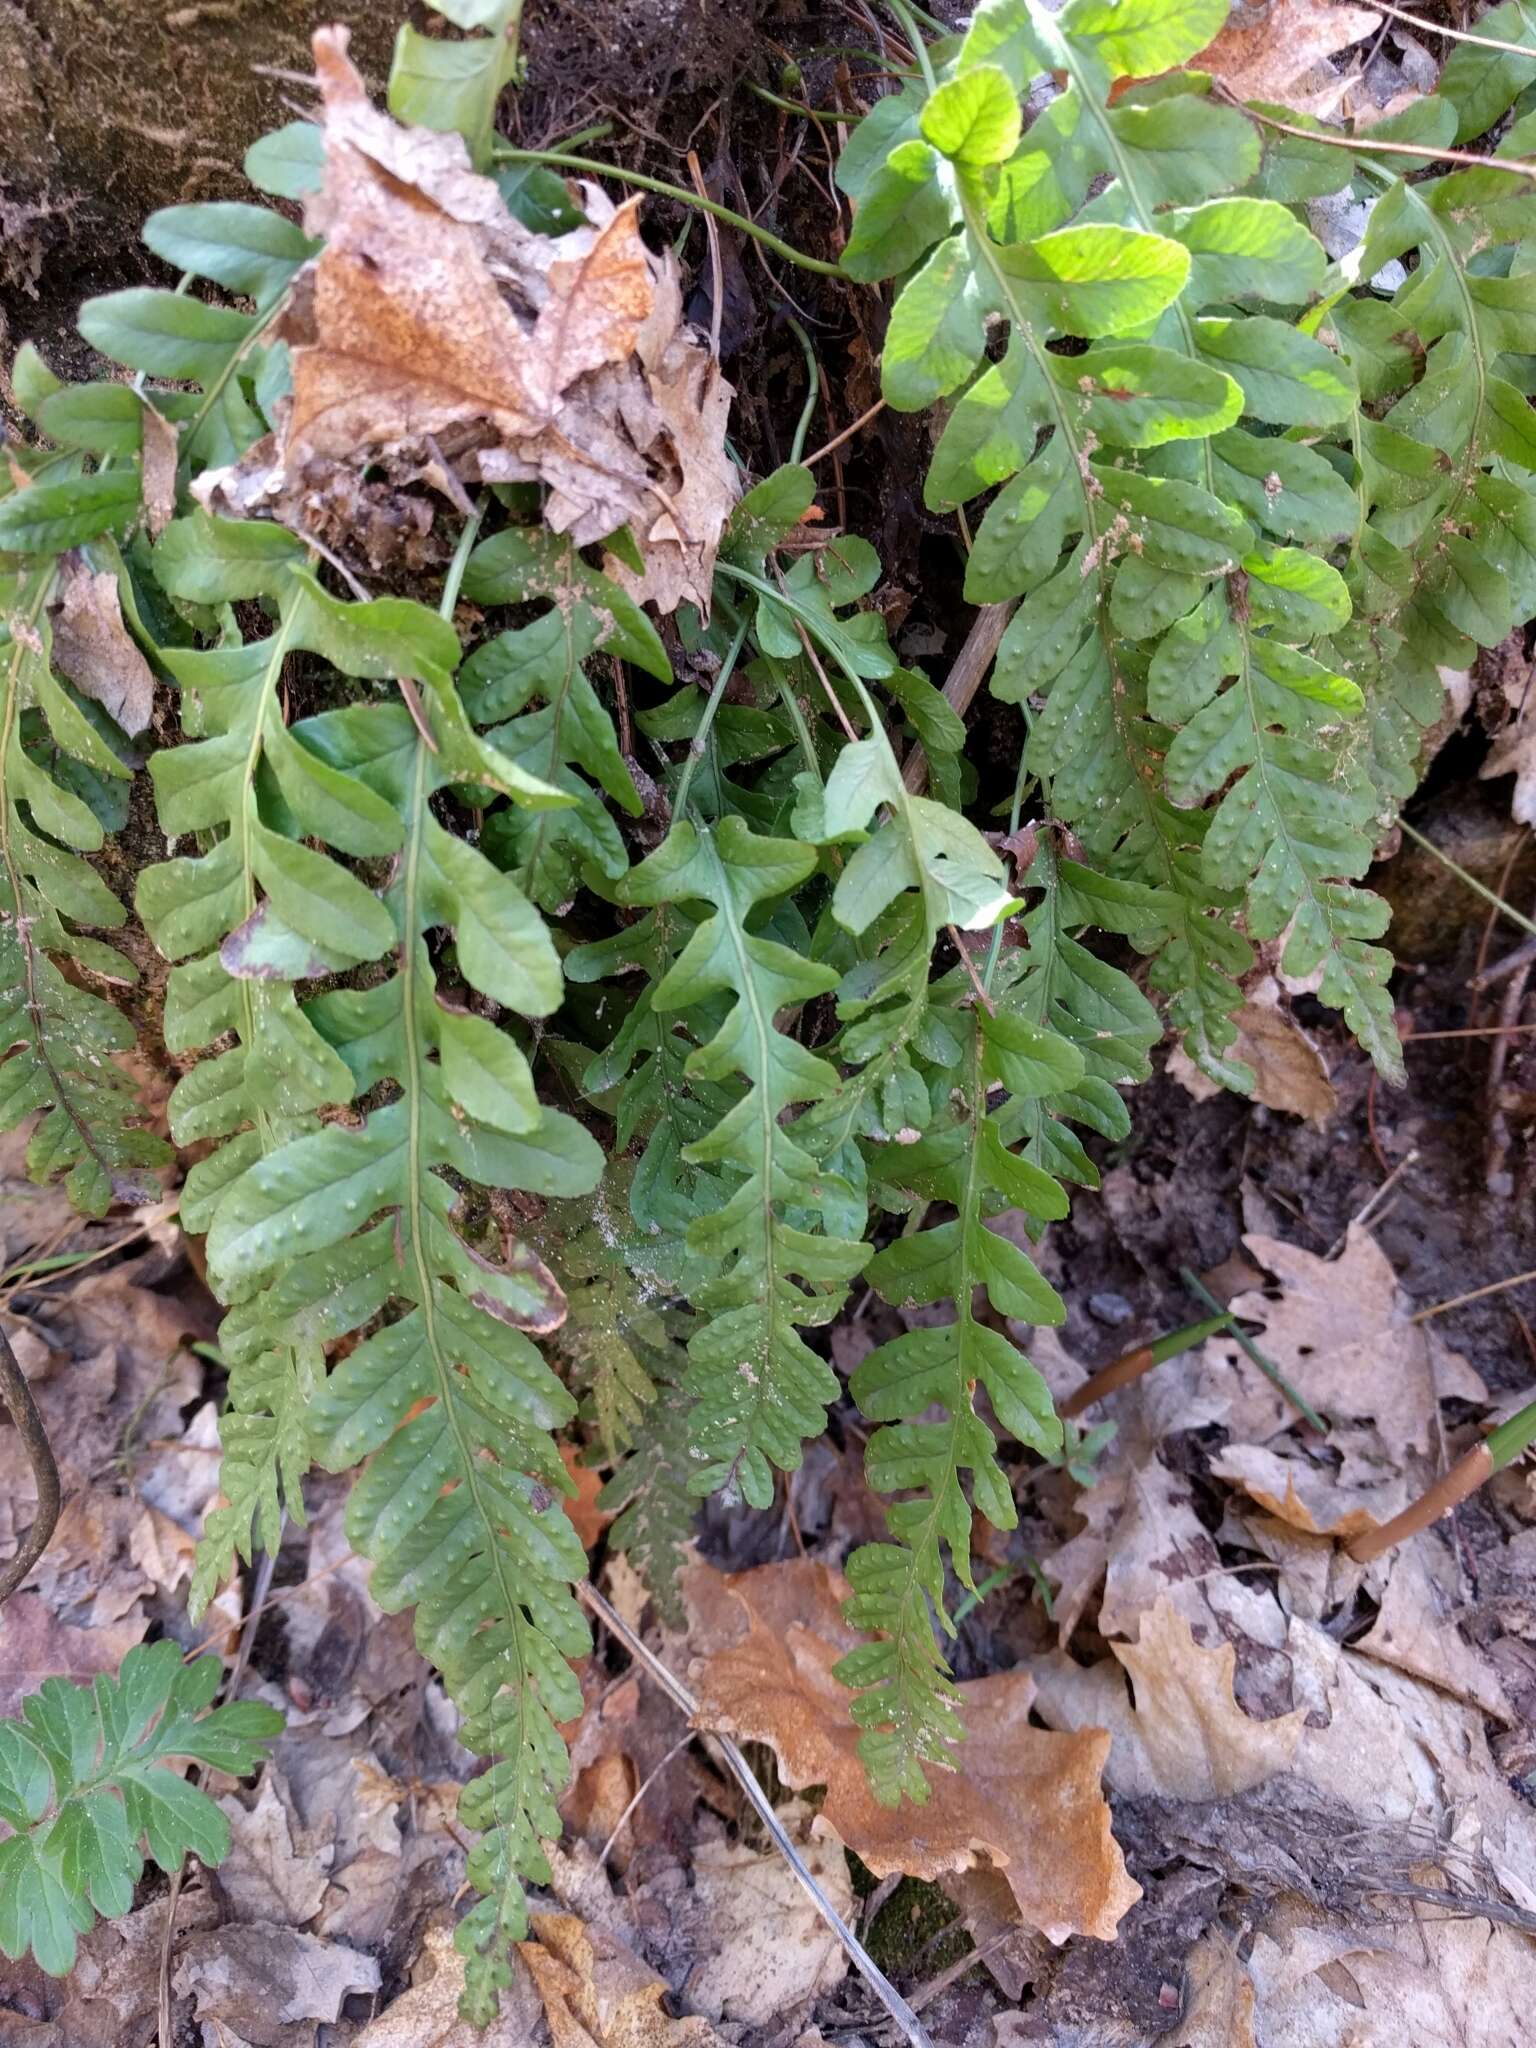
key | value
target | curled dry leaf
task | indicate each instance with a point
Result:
(157, 461)
(259, 1982)
(1025, 1800)
(91, 645)
(1184, 1736)
(598, 1994)
(1314, 1498)
(1416, 1628)
(438, 339)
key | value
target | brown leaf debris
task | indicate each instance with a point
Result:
(1023, 1799)
(436, 337)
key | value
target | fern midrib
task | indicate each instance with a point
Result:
(914, 1612)
(237, 355)
(1146, 220)
(1448, 253)
(900, 806)
(416, 1168)
(10, 733)
(981, 240)
(264, 1123)
(762, 1027)
(1260, 767)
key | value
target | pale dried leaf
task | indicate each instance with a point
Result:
(1264, 56)
(739, 1893)
(276, 1870)
(1514, 753)
(427, 2015)
(158, 462)
(1341, 1333)
(1422, 1978)
(1023, 1798)
(92, 646)
(261, 1980)
(598, 1994)
(1415, 1628)
(1310, 1497)
(1200, 1743)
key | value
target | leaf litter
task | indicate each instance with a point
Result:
(1278, 1775)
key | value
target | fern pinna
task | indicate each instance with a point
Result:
(831, 1029)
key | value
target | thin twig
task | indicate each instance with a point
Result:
(969, 965)
(646, 1784)
(506, 155)
(45, 1471)
(964, 680)
(837, 440)
(1441, 1308)
(230, 1690)
(716, 268)
(1522, 956)
(832, 697)
(1478, 888)
(1452, 35)
(417, 709)
(1361, 145)
(741, 1770)
(1373, 1202)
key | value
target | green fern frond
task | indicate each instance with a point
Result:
(252, 251)
(458, 1508)
(57, 1039)
(651, 1497)
(760, 1390)
(552, 851)
(88, 1788)
(906, 1701)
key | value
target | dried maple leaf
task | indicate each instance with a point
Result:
(1022, 1799)
(91, 645)
(1264, 57)
(35, 1644)
(436, 337)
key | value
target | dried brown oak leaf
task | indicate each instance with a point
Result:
(1023, 1800)
(1341, 1331)
(437, 338)
(1289, 1070)
(1271, 56)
